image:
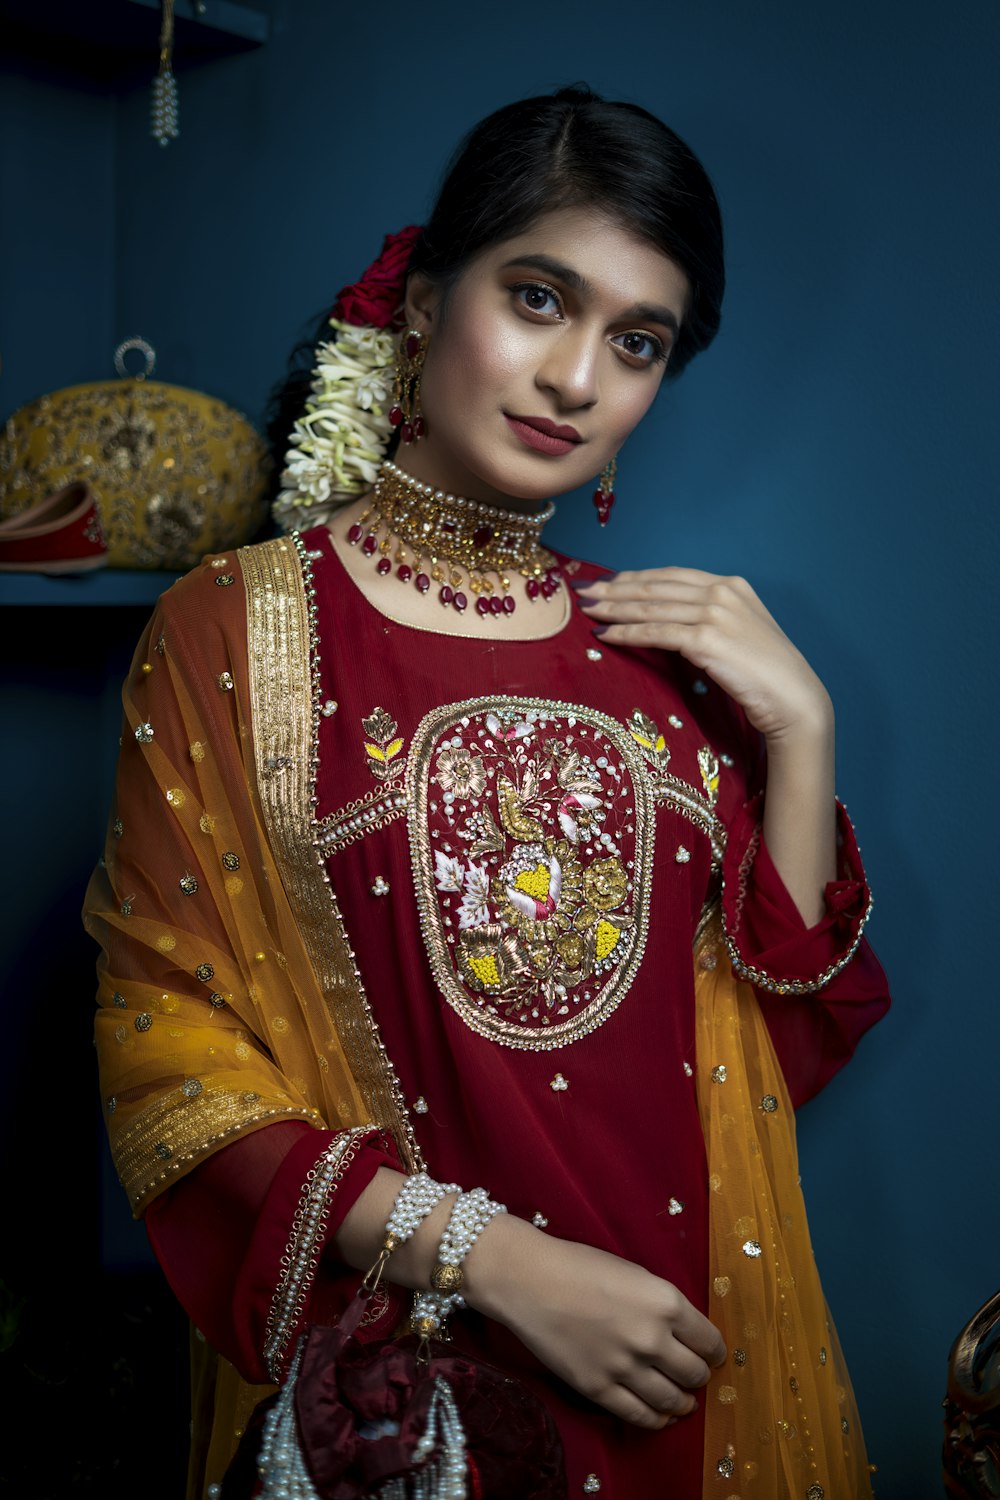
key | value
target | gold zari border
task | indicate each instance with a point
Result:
(178, 1131)
(284, 697)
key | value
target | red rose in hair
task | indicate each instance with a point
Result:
(376, 299)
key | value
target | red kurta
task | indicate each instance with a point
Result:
(503, 828)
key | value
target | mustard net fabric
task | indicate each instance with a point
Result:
(211, 1019)
(780, 1420)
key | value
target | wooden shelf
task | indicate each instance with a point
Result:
(102, 586)
(117, 41)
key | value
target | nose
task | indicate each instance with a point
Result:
(570, 368)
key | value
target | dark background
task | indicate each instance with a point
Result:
(837, 445)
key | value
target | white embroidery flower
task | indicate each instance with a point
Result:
(449, 873)
(475, 909)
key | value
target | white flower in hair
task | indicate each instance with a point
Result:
(339, 442)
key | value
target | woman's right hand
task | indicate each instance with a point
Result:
(616, 1333)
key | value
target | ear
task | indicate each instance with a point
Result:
(422, 302)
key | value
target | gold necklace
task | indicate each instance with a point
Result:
(433, 537)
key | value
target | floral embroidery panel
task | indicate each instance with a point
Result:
(531, 836)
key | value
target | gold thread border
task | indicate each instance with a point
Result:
(284, 698)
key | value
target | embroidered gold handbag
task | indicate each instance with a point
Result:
(176, 473)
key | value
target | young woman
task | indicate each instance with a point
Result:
(436, 855)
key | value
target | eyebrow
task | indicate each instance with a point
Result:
(641, 312)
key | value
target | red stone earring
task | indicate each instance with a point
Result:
(405, 411)
(604, 495)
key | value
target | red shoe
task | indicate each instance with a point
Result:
(61, 534)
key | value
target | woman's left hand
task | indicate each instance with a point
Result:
(721, 627)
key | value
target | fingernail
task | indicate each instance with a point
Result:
(600, 629)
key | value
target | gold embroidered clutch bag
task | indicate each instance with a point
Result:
(176, 473)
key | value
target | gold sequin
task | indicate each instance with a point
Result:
(752, 1250)
(120, 1034)
(727, 1394)
(119, 1001)
(118, 828)
(726, 1467)
(719, 1073)
(822, 1356)
(279, 1024)
(196, 750)
(230, 861)
(144, 733)
(715, 1182)
(176, 796)
(191, 1088)
(166, 943)
(769, 1104)
(188, 885)
(224, 580)
(143, 1021)
(233, 885)
(161, 646)
(225, 681)
(721, 1285)
(169, 1004)
(218, 1000)
(739, 1357)
(204, 972)
(206, 823)
(815, 1492)
(743, 1227)
(163, 1151)
(241, 1051)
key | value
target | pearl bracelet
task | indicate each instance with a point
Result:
(470, 1215)
(414, 1201)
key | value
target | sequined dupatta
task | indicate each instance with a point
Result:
(780, 1417)
(212, 1021)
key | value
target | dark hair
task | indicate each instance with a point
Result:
(571, 148)
(555, 151)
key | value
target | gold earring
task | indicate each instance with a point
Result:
(604, 495)
(405, 411)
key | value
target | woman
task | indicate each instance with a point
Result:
(417, 829)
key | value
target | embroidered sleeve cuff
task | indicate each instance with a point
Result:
(332, 1185)
(769, 944)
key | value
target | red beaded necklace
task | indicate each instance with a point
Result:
(433, 537)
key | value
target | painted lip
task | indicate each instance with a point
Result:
(542, 435)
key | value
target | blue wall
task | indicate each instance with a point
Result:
(836, 445)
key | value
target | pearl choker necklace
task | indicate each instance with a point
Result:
(433, 537)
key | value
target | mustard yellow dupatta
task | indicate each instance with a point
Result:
(228, 994)
(780, 1417)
